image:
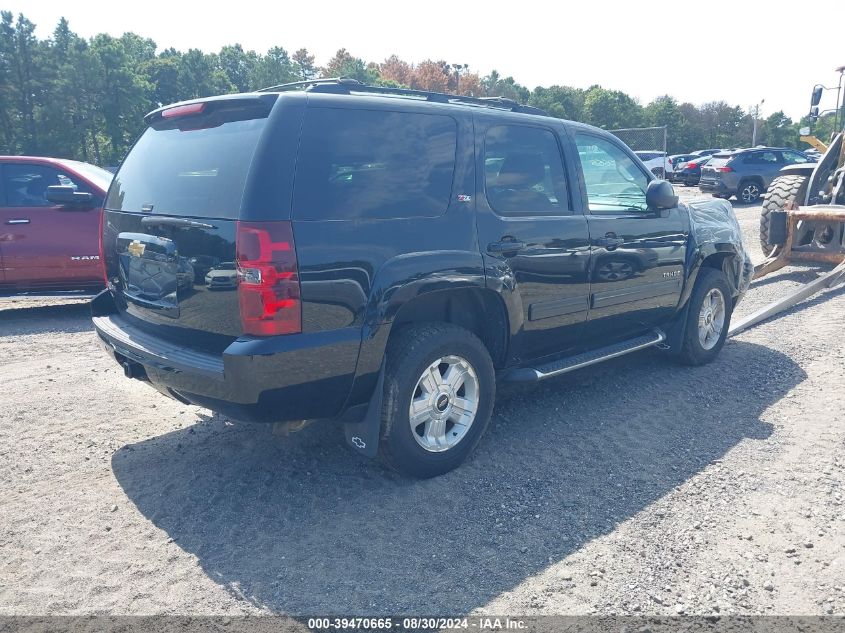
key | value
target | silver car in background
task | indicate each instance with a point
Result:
(657, 162)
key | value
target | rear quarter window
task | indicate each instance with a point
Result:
(374, 164)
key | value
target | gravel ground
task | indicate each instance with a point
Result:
(634, 486)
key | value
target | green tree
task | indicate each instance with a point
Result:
(665, 112)
(304, 62)
(343, 64)
(162, 75)
(239, 66)
(200, 75)
(611, 109)
(274, 68)
(23, 63)
(138, 49)
(691, 134)
(778, 130)
(496, 86)
(76, 76)
(9, 113)
(123, 100)
(722, 125)
(562, 102)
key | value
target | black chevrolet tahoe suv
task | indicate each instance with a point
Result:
(397, 254)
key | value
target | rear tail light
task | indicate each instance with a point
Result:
(268, 286)
(724, 169)
(692, 165)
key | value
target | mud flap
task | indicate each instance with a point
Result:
(675, 332)
(363, 436)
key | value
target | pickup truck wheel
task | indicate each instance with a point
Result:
(708, 318)
(438, 397)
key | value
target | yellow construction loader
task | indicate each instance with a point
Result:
(803, 216)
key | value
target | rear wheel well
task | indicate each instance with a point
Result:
(482, 312)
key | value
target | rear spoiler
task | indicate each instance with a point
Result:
(210, 103)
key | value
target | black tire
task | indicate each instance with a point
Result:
(408, 354)
(749, 192)
(782, 191)
(692, 352)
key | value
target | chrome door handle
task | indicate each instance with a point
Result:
(610, 242)
(18, 221)
(505, 246)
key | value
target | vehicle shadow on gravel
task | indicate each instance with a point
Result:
(17, 320)
(299, 525)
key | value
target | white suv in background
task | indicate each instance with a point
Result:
(657, 162)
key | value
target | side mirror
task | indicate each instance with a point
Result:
(660, 195)
(65, 194)
(814, 113)
(817, 96)
(804, 131)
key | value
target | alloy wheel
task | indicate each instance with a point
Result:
(444, 404)
(711, 319)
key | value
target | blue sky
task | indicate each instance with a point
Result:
(740, 52)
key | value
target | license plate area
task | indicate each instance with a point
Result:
(148, 267)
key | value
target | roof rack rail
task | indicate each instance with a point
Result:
(293, 85)
(348, 85)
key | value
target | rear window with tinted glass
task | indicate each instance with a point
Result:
(192, 166)
(719, 161)
(374, 164)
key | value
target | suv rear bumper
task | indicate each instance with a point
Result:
(294, 377)
(718, 187)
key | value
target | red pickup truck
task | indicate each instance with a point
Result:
(50, 211)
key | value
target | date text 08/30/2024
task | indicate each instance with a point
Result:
(416, 623)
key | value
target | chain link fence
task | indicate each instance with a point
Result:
(647, 139)
(643, 138)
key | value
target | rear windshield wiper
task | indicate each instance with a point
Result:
(164, 220)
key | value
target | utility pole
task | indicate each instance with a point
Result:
(755, 116)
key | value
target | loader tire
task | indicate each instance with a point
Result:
(782, 191)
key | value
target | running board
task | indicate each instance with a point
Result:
(571, 363)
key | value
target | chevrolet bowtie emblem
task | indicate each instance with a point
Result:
(136, 248)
